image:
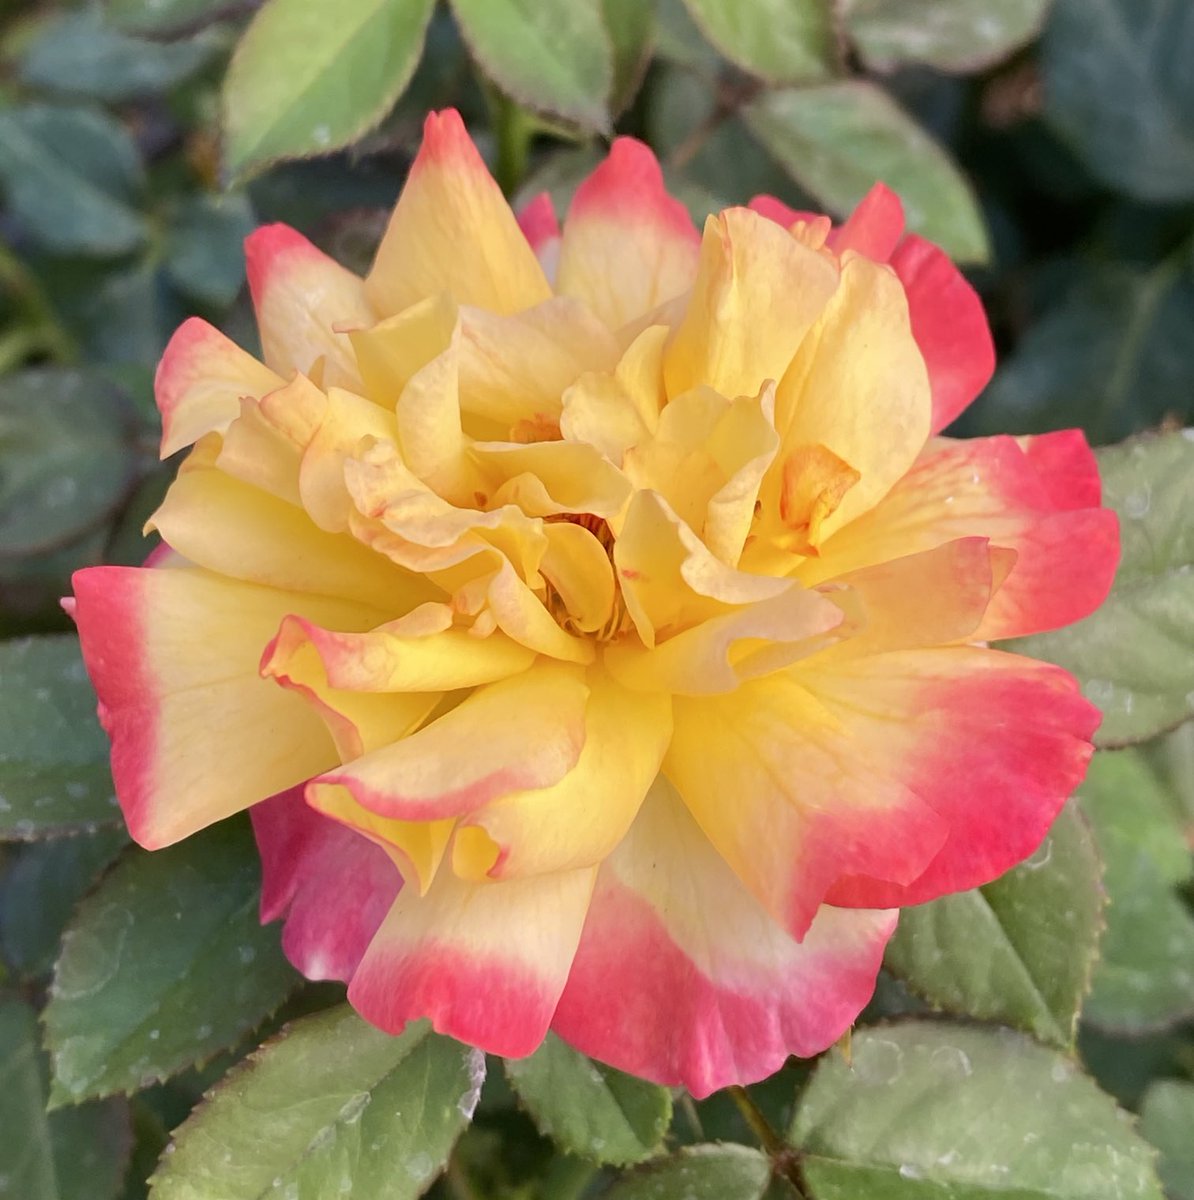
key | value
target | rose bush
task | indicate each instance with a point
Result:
(595, 619)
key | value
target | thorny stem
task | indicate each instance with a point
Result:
(785, 1161)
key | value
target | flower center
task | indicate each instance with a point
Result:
(618, 621)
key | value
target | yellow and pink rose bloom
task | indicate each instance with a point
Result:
(594, 621)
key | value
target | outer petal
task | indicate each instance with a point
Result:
(681, 978)
(874, 227)
(988, 487)
(1066, 467)
(196, 733)
(949, 325)
(452, 231)
(525, 732)
(333, 886)
(302, 298)
(628, 246)
(486, 962)
(200, 381)
(540, 226)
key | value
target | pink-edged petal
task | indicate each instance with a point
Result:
(996, 743)
(200, 381)
(305, 304)
(541, 227)
(989, 487)
(196, 733)
(332, 886)
(949, 325)
(524, 732)
(875, 226)
(779, 212)
(681, 978)
(486, 962)
(1066, 466)
(627, 246)
(452, 231)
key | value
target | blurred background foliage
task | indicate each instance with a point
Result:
(1048, 146)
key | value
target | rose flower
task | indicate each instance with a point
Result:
(595, 620)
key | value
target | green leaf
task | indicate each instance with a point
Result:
(67, 462)
(951, 35)
(679, 41)
(40, 890)
(1135, 654)
(590, 1109)
(205, 255)
(164, 964)
(837, 140)
(713, 1171)
(330, 1107)
(552, 56)
(1166, 1118)
(310, 76)
(80, 55)
(128, 317)
(630, 25)
(166, 17)
(1145, 978)
(1137, 136)
(1020, 950)
(1112, 355)
(781, 41)
(69, 175)
(54, 775)
(76, 1155)
(930, 1111)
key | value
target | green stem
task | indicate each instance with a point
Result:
(514, 128)
(785, 1161)
(35, 306)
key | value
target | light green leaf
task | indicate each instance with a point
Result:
(80, 55)
(69, 175)
(54, 775)
(377, 1119)
(1145, 978)
(1020, 950)
(205, 255)
(553, 56)
(716, 1171)
(926, 1111)
(161, 18)
(1166, 1119)
(1137, 136)
(631, 26)
(837, 140)
(781, 41)
(75, 1155)
(679, 41)
(1135, 654)
(590, 1109)
(310, 76)
(40, 889)
(163, 965)
(951, 35)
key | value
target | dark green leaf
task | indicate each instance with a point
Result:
(54, 775)
(205, 255)
(1020, 950)
(837, 140)
(69, 175)
(163, 965)
(1135, 654)
(76, 1155)
(932, 1111)
(679, 41)
(377, 1119)
(79, 54)
(709, 1172)
(1145, 977)
(553, 56)
(65, 460)
(40, 890)
(951, 35)
(630, 25)
(782, 41)
(590, 1109)
(1137, 135)
(165, 17)
(128, 318)
(1166, 1119)
(310, 76)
